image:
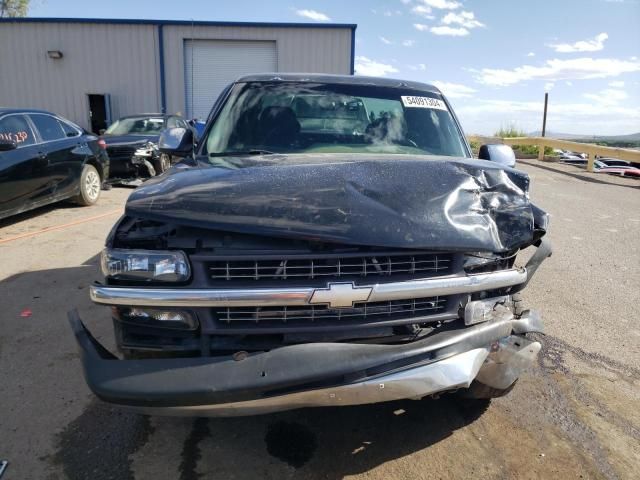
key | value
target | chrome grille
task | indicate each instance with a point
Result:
(360, 312)
(335, 267)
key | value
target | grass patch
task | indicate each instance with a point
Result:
(511, 131)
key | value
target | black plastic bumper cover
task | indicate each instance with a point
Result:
(212, 380)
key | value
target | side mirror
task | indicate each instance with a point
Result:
(6, 145)
(176, 141)
(101, 131)
(502, 154)
(198, 128)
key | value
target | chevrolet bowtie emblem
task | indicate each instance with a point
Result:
(340, 295)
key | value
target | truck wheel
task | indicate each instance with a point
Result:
(90, 184)
(162, 164)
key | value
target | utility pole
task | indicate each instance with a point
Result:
(544, 115)
(544, 126)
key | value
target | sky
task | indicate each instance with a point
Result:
(493, 59)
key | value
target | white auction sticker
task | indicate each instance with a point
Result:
(423, 102)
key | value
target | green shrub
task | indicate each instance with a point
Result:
(511, 131)
(532, 149)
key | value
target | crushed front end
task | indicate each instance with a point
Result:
(216, 321)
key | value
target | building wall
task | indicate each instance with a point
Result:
(313, 50)
(121, 60)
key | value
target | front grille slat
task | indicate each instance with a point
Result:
(367, 265)
(340, 267)
(359, 312)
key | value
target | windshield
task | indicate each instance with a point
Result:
(136, 126)
(320, 118)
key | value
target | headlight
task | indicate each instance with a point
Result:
(145, 265)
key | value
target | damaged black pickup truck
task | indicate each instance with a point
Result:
(329, 241)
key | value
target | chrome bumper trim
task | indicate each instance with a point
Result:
(455, 372)
(185, 297)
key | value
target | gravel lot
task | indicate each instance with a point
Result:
(576, 415)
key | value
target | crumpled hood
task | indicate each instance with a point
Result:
(386, 201)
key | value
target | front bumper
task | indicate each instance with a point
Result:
(132, 167)
(311, 375)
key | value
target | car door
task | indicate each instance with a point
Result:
(23, 169)
(65, 151)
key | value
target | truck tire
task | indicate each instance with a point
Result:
(90, 184)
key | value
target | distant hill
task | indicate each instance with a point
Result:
(631, 140)
(561, 136)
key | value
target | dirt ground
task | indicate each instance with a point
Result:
(575, 415)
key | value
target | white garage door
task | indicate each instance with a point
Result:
(210, 65)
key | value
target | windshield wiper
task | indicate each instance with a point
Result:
(239, 153)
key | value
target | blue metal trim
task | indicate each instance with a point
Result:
(131, 21)
(353, 50)
(163, 91)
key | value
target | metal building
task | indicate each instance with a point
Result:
(93, 71)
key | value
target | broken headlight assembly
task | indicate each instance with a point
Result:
(145, 265)
(147, 150)
(482, 262)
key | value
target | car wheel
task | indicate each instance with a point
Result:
(163, 164)
(89, 186)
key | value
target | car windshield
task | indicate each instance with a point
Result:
(326, 118)
(136, 126)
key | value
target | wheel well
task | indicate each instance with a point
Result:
(97, 166)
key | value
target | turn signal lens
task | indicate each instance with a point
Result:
(157, 318)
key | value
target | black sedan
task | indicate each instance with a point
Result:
(45, 158)
(132, 145)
